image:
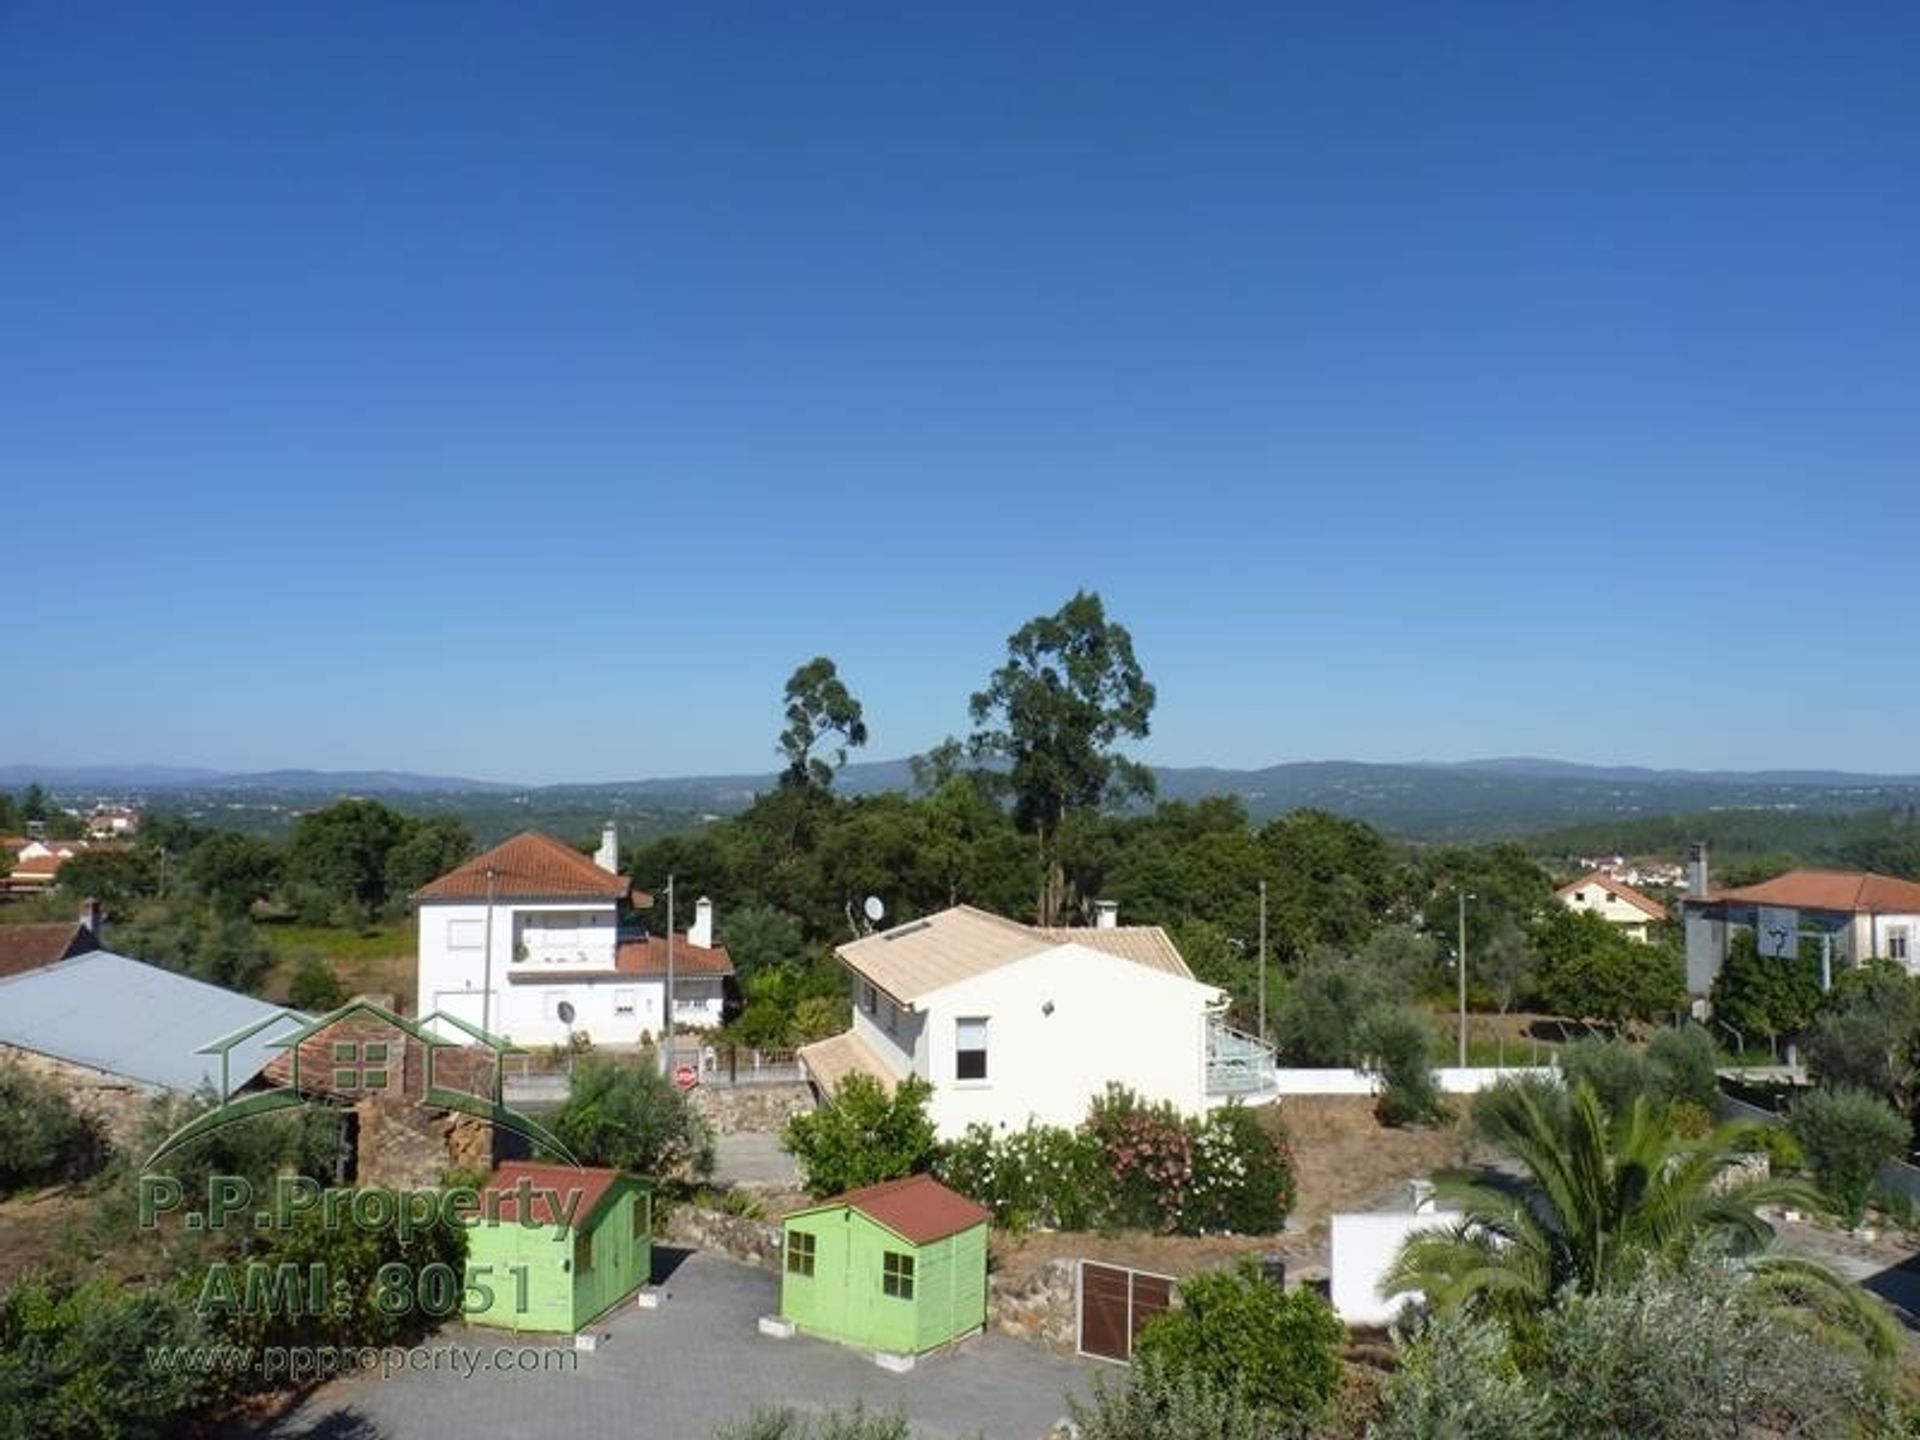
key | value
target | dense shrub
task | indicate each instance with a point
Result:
(1239, 1333)
(864, 1135)
(786, 1423)
(73, 1363)
(1683, 1067)
(1616, 1071)
(1396, 1043)
(314, 987)
(1131, 1165)
(632, 1117)
(1456, 1380)
(1845, 1135)
(1045, 1176)
(43, 1138)
(1158, 1402)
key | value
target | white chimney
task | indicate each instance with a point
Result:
(1106, 914)
(607, 857)
(90, 917)
(1697, 870)
(701, 935)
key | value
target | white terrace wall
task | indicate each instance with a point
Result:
(1452, 1079)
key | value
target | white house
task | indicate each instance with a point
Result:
(1616, 903)
(535, 942)
(1012, 1023)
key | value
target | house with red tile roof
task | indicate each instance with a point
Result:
(535, 942)
(1847, 917)
(1612, 900)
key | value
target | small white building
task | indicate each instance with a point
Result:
(535, 942)
(1013, 1024)
(1613, 901)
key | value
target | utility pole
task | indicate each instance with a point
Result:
(486, 995)
(666, 1067)
(1464, 897)
(1263, 962)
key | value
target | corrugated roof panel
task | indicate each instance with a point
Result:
(129, 1018)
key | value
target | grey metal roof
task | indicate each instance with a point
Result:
(137, 1020)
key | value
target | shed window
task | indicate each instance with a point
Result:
(896, 1274)
(800, 1253)
(970, 1049)
(583, 1254)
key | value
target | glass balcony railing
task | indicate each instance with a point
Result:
(1237, 1064)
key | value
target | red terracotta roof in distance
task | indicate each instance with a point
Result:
(1653, 909)
(592, 1184)
(28, 947)
(527, 867)
(649, 957)
(919, 1208)
(1858, 892)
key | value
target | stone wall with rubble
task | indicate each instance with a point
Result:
(740, 1237)
(405, 1146)
(752, 1109)
(119, 1104)
(1037, 1309)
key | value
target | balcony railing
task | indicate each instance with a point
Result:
(1237, 1064)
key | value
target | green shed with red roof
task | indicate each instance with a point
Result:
(899, 1267)
(556, 1246)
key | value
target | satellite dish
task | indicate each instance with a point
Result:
(874, 908)
(565, 1011)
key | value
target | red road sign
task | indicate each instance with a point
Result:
(685, 1076)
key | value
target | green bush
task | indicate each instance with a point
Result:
(1245, 1179)
(1457, 1380)
(1396, 1043)
(1776, 1142)
(74, 1363)
(1149, 1149)
(632, 1117)
(1683, 1067)
(1617, 1071)
(864, 1135)
(43, 1138)
(1238, 1333)
(314, 987)
(1157, 1402)
(1846, 1135)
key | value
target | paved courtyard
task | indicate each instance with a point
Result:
(694, 1364)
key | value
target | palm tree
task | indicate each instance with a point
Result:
(1605, 1197)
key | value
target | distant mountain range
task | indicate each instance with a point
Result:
(1465, 800)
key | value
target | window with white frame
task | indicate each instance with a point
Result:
(1897, 943)
(970, 1048)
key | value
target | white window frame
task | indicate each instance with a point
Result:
(984, 1049)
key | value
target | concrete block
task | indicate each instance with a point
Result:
(586, 1340)
(777, 1326)
(898, 1364)
(648, 1299)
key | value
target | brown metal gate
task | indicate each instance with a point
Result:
(1115, 1304)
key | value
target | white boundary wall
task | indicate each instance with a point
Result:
(1452, 1079)
(1363, 1246)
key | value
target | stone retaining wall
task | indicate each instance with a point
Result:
(759, 1109)
(119, 1104)
(1039, 1309)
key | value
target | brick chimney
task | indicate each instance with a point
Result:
(700, 936)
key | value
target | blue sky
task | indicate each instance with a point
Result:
(522, 391)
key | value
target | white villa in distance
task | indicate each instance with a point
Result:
(1014, 1023)
(534, 942)
(1613, 901)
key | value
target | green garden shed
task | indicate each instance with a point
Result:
(899, 1267)
(557, 1245)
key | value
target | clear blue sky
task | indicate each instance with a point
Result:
(522, 391)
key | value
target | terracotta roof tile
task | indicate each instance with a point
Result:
(28, 947)
(529, 866)
(649, 957)
(919, 1209)
(1857, 892)
(592, 1184)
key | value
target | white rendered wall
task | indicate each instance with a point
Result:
(1364, 1246)
(453, 954)
(1111, 1020)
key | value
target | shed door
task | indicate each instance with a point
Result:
(1115, 1305)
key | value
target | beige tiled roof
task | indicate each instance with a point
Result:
(1146, 945)
(922, 956)
(828, 1062)
(1653, 909)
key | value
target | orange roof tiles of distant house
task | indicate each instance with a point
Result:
(919, 1209)
(1653, 909)
(1858, 892)
(649, 957)
(530, 866)
(28, 947)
